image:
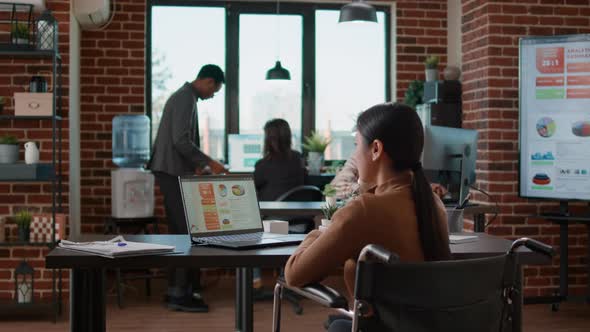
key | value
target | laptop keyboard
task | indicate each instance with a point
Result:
(248, 237)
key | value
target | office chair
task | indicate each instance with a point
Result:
(304, 193)
(461, 295)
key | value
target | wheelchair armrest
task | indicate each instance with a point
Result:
(533, 245)
(319, 293)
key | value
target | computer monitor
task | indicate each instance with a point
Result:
(244, 151)
(450, 155)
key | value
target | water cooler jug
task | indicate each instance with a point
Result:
(132, 187)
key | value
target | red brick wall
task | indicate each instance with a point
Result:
(15, 74)
(490, 104)
(112, 78)
(421, 31)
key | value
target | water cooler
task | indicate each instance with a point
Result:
(132, 187)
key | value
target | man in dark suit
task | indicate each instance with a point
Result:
(177, 152)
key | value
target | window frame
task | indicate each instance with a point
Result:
(233, 10)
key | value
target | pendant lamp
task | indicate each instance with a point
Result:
(278, 72)
(357, 10)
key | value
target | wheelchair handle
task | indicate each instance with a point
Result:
(378, 253)
(533, 245)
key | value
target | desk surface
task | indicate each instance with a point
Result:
(225, 258)
(315, 208)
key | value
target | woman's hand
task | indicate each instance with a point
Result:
(439, 190)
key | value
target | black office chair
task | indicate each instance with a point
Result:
(461, 295)
(304, 193)
(297, 225)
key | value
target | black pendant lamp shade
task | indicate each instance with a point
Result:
(358, 11)
(278, 73)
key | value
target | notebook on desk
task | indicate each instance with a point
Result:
(223, 211)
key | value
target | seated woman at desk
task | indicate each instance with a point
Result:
(280, 168)
(400, 212)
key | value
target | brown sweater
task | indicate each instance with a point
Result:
(383, 216)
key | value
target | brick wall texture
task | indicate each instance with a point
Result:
(113, 82)
(490, 33)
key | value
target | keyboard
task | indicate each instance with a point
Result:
(248, 237)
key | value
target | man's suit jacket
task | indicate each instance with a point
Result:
(176, 148)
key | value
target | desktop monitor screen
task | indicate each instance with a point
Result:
(244, 151)
(554, 133)
(451, 151)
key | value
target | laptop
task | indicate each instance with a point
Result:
(223, 211)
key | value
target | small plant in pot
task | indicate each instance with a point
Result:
(330, 194)
(23, 221)
(415, 94)
(8, 149)
(328, 210)
(315, 145)
(431, 64)
(20, 33)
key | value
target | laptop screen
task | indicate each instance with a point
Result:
(220, 204)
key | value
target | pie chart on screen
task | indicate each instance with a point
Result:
(581, 128)
(546, 127)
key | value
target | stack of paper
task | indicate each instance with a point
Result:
(457, 239)
(117, 247)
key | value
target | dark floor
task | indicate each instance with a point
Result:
(148, 314)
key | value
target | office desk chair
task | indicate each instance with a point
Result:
(304, 193)
(461, 295)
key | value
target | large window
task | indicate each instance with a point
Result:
(263, 40)
(186, 38)
(337, 70)
(350, 76)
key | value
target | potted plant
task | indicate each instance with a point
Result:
(315, 145)
(8, 149)
(431, 63)
(414, 94)
(330, 194)
(23, 221)
(328, 210)
(20, 33)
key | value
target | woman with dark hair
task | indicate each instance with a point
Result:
(400, 212)
(280, 168)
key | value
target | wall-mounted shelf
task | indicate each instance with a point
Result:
(10, 50)
(17, 117)
(23, 172)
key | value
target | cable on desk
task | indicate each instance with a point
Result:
(491, 199)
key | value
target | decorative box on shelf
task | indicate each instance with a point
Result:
(40, 229)
(33, 103)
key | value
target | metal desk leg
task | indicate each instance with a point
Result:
(588, 266)
(87, 301)
(244, 306)
(563, 260)
(518, 302)
(238, 299)
(479, 223)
